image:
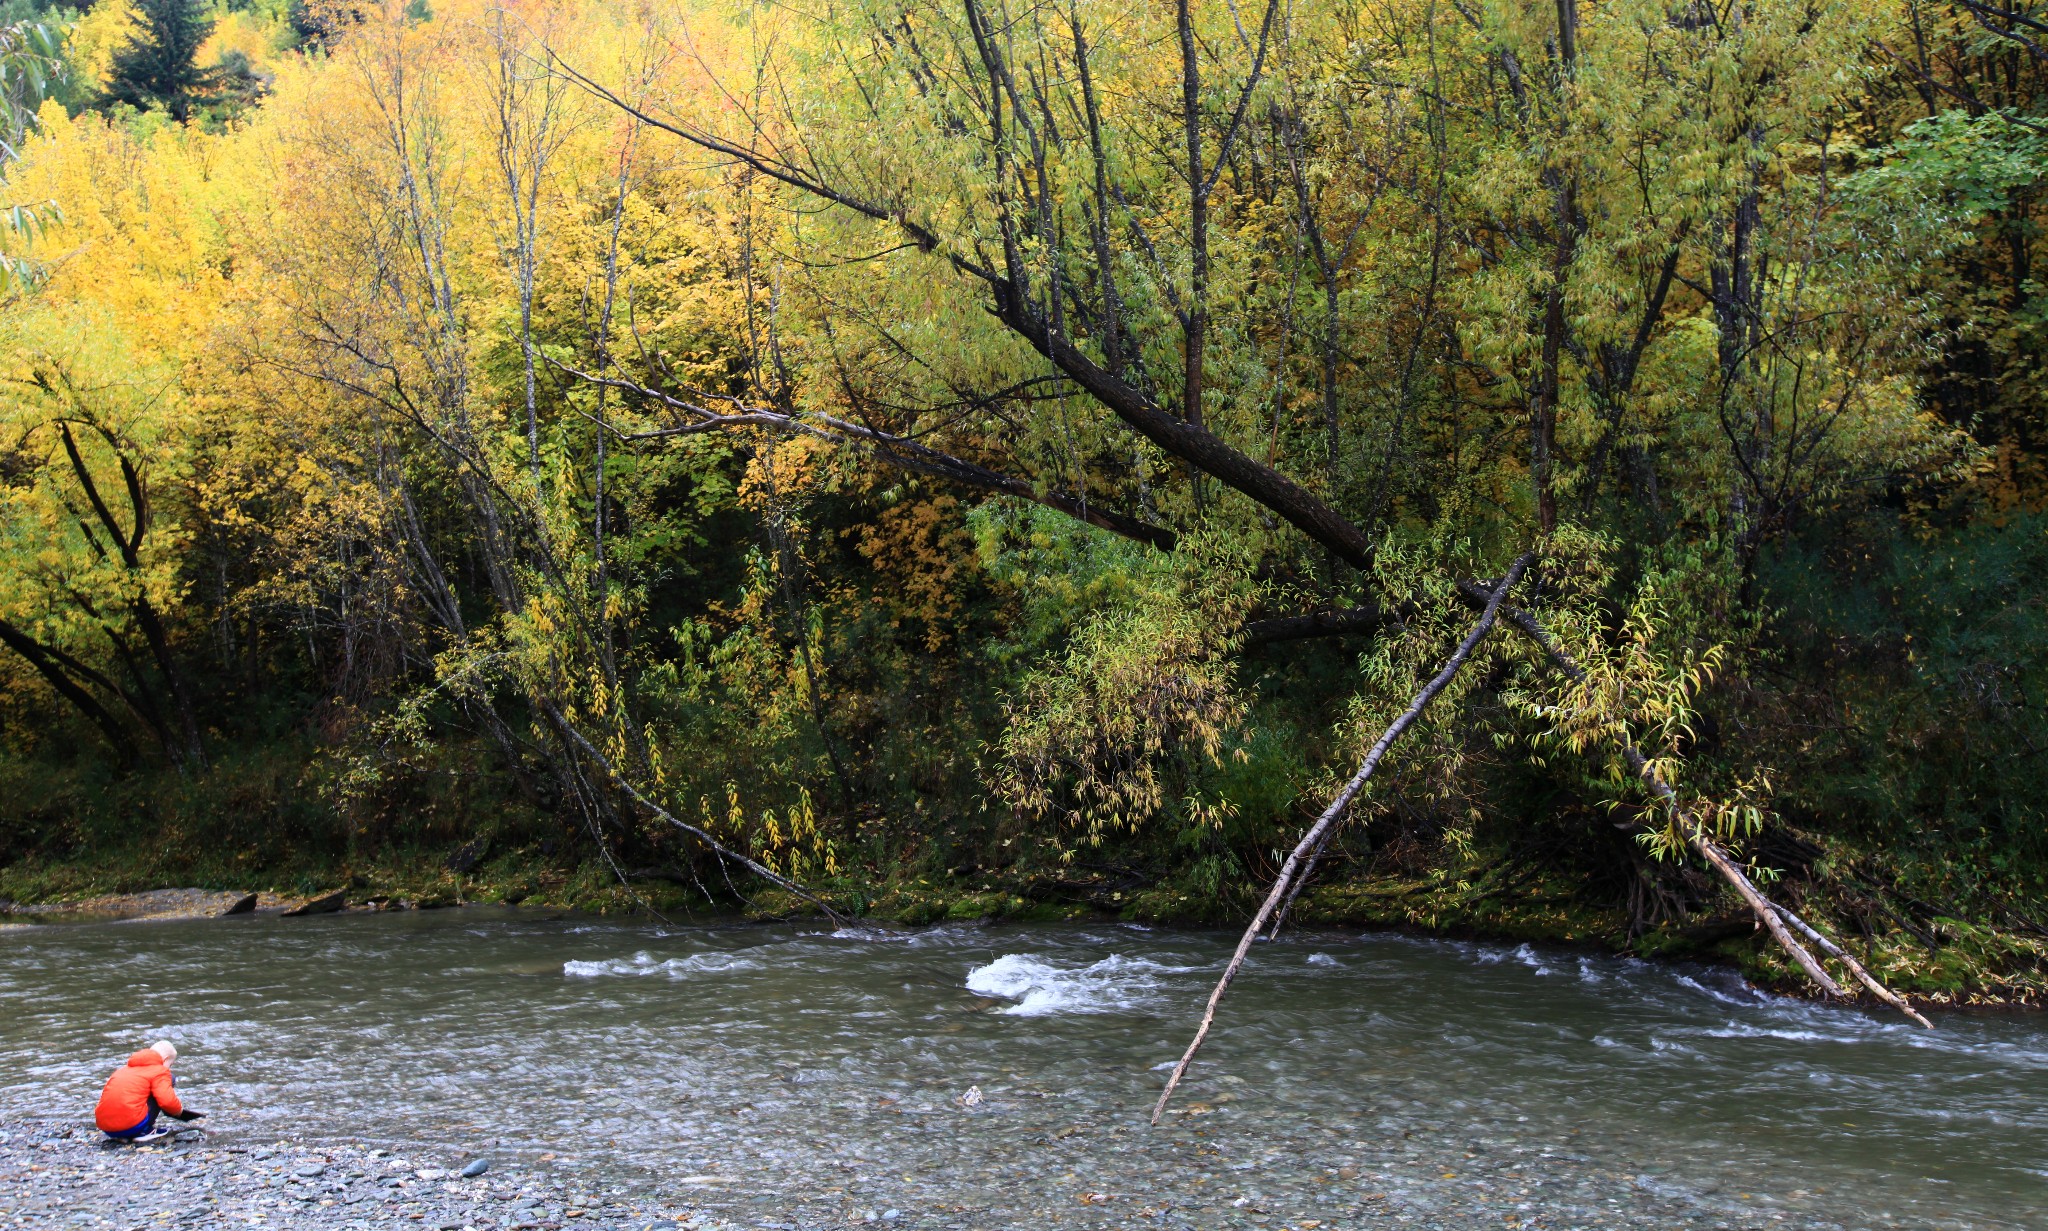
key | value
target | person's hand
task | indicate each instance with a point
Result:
(189, 1114)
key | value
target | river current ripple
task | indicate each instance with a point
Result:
(791, 1075)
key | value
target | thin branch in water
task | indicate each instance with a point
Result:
(1326, 824)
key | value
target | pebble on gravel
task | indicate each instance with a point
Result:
(54, 1176)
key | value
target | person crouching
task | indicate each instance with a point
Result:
(139, 1090)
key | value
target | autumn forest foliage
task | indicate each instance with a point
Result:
(998, 455)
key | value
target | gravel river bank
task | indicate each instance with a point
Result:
(61, 1176)
(56, 1176)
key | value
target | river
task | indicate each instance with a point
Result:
(785, 1072)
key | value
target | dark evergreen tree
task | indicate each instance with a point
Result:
(319, 22)
(158, 67)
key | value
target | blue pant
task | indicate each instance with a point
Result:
(148, 1122)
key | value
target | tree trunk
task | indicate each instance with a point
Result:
(44, 660)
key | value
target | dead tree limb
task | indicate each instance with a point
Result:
(1863, 976)
(1326, 824)
(1768, 913)
(702, 835)
(1717, 855)
(901, 451)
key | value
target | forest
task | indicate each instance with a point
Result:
(1567, 471)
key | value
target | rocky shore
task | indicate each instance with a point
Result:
(159, 905)
(62, 1176)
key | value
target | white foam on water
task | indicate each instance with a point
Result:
(1738, 1031)
(1661, 1045)
(1322, 959)
(1747, 996)
(645, 963)
(875, 935)
(1524, 954)
(942, 936)
(1040, 988)
(1794, 1021)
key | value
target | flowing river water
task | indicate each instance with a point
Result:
(788, 1075)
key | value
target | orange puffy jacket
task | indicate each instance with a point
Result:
(125, 1101)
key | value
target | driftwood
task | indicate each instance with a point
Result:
(1841, 955)
(1319, 833)
(1769, 914)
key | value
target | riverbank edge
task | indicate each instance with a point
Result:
(1977, 966)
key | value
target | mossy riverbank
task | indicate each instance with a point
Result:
(1955, 962)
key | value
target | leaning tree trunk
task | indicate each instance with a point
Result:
(1771, 916)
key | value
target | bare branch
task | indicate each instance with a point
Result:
(900, 451)
(1319, 833)
(663, 814)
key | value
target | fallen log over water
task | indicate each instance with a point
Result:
(1771, 915)
(1855, 967)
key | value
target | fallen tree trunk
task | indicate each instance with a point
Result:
(1769, 914)
(1319, 833)
(1863, 976)
(1717, 856)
